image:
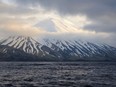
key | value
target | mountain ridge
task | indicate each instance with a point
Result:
(54, 50)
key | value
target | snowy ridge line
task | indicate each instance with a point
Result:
(58, 48)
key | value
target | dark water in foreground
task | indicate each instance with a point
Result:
(62, 74)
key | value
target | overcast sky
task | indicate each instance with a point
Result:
(85, 19)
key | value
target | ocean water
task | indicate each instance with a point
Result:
(57, 74)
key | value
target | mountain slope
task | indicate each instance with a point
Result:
(27, 45)
(58, 25)
(26, 48)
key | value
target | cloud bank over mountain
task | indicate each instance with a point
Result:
(74, 19)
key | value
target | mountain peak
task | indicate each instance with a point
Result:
(47, 25)
(21, 42)
(58, 25)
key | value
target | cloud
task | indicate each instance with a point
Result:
(62, 28)
(94, 19)
(102, 11)
(17, 10)
(18, 28)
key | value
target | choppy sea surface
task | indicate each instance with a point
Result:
(57, 74)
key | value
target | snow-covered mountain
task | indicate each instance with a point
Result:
(26, 48)
(58, 25)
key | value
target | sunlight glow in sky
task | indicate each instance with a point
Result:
(75, 19)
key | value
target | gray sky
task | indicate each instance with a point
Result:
(95, 18)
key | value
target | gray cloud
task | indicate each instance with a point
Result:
(100, 11)
(13, 10)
